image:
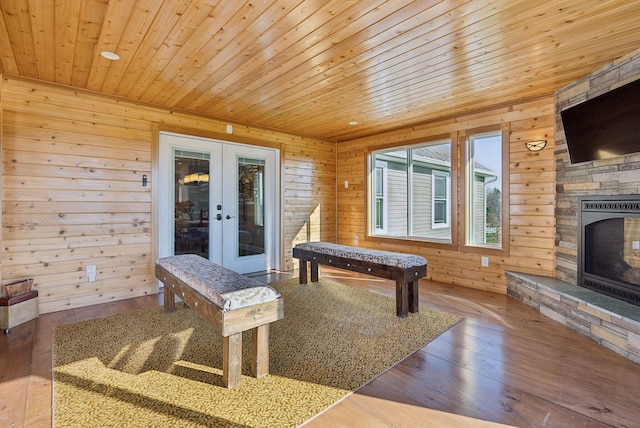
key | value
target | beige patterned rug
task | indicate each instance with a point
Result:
(148, 368)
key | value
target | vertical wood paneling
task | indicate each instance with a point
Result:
(73, 196)
(532, 186)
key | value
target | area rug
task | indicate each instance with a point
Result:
(148, 368)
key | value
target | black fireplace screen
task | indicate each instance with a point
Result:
(609, 246)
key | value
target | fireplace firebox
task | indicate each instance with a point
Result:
(609, 246)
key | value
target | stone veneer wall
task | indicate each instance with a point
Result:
(615, 176)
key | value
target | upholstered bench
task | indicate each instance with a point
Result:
(230, 302)
(405, 269)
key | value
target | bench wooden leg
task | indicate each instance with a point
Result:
(414, 304)
(402, 298)
(169, 299)
(232, 360)
(302, 271)
(314, 271)
(260, 351)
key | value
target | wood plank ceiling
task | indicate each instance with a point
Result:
(311, 66)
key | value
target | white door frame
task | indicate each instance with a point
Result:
(166, 142)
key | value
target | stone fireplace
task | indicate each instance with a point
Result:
(609, 320)
(608, 177)
(609, 246)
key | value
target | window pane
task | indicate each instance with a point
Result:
(439, 187)
(191, 211)
(379, 192)
(251, 239)
(390, 193)
(485, 189)
(379, 202)
(440, 199)
(379, 215)
(411, 194)
(431, 196)
(379, 189)
(439, 212)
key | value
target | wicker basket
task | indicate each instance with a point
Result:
(18, 287)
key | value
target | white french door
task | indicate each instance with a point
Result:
(219, 200)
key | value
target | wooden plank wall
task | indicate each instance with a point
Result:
(73, 196)
(532, 197)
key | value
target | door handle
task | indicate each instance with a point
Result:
(229, 217)
(219, 217)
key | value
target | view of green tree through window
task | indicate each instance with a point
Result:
(484, 189)
(411, 192)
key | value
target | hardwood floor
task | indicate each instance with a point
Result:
(503, 364)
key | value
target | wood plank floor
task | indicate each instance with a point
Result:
(503, 364)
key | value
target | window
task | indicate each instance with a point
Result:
(484, 195)
(441, 202)
(380, 206)
(410, 192)
(413, 191)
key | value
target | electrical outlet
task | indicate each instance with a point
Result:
(635, 245)
(484, 262)
(91, 273)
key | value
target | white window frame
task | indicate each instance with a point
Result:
(447, 199)
(382, 166)
(383, 158)
(470, 174)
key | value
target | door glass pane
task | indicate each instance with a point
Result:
(251, 206)
(191, 213)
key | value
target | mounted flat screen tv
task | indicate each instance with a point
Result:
(605, 126)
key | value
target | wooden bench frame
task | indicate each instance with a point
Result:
(230, 324)
(406, 278)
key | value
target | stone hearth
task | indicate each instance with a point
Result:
(610, 322)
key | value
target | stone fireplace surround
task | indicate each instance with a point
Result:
(611, 322)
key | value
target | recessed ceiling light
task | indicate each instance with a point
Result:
(110, 55)
(353, 122)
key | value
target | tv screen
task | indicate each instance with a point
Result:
(605, 126)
